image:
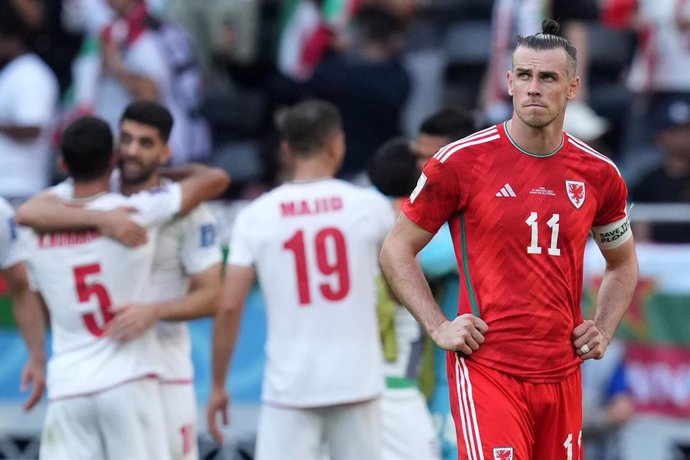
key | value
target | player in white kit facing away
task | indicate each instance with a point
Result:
(104, 396)
(312, 242)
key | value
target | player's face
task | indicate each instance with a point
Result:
(426, 146)
(141, 150)
(541, 85)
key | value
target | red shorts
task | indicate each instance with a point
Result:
(498, 417)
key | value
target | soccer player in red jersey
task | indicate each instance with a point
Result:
(521, 199)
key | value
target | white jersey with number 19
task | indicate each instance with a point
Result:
(82, 275)
(315, 247)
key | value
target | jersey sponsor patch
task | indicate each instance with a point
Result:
(612, 235)
(207, 235)
(503, 453)
(576, 192)
(420, 185)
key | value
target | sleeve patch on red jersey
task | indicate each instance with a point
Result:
(420, 185)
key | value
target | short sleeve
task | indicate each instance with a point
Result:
(613, 202)
(611, 227)
(240, 241)
(10, 253)
(435, 198)
(200, 249)
(158, 205)
(39, 96)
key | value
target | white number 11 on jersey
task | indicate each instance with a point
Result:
(534, 247)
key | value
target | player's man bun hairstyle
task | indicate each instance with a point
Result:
(550, 38)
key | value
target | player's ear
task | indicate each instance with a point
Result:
(573, 88)
(165, 157)
(62, 166)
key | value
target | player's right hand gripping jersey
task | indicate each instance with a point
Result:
(519, 224)
(82, 276)
(315, 247)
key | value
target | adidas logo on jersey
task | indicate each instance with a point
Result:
(507, 191)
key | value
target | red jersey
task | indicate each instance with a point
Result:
(519, 224)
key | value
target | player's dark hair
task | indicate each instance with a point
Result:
(12, 24)
(86, 146)
(150, 113)
(393, 168)
(307, 127)
(550, 38)
(448, 122)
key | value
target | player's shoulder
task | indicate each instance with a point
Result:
(593, 157)
(478, 143)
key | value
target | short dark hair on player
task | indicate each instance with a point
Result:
(550, 38)
(393, 168)
(12, 24)
(307, 127)
(150, 113)
(86, 146)
(448, 122)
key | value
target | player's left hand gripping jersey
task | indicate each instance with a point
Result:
(82, 276)
(519, 224)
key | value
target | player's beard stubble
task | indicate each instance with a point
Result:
(135, 171)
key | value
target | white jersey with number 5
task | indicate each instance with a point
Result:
(9, 247)
(315, 247)
(82, 275)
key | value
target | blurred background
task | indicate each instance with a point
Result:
(226, 67)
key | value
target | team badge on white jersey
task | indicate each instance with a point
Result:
(503, 453)
(576, 192)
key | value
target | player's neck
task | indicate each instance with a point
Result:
(152, 182)
(537, 141)
(91, 189)
(312, 169)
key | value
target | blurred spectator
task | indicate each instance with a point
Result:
(28, 99)
(523, 17)
(136, 66)
(368, 83)
(439, 129)
(607, 403)
(408, 430)
(670, 182)
(210, 21)
(658, 77)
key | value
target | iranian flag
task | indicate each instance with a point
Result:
(656, 328)
(307, 28)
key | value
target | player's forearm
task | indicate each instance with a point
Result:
(31, 323)
(199, 183)
(202, 300)
(225, 330)
(20, 133)
(409, 285)
(616, 292)
(48, 212)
